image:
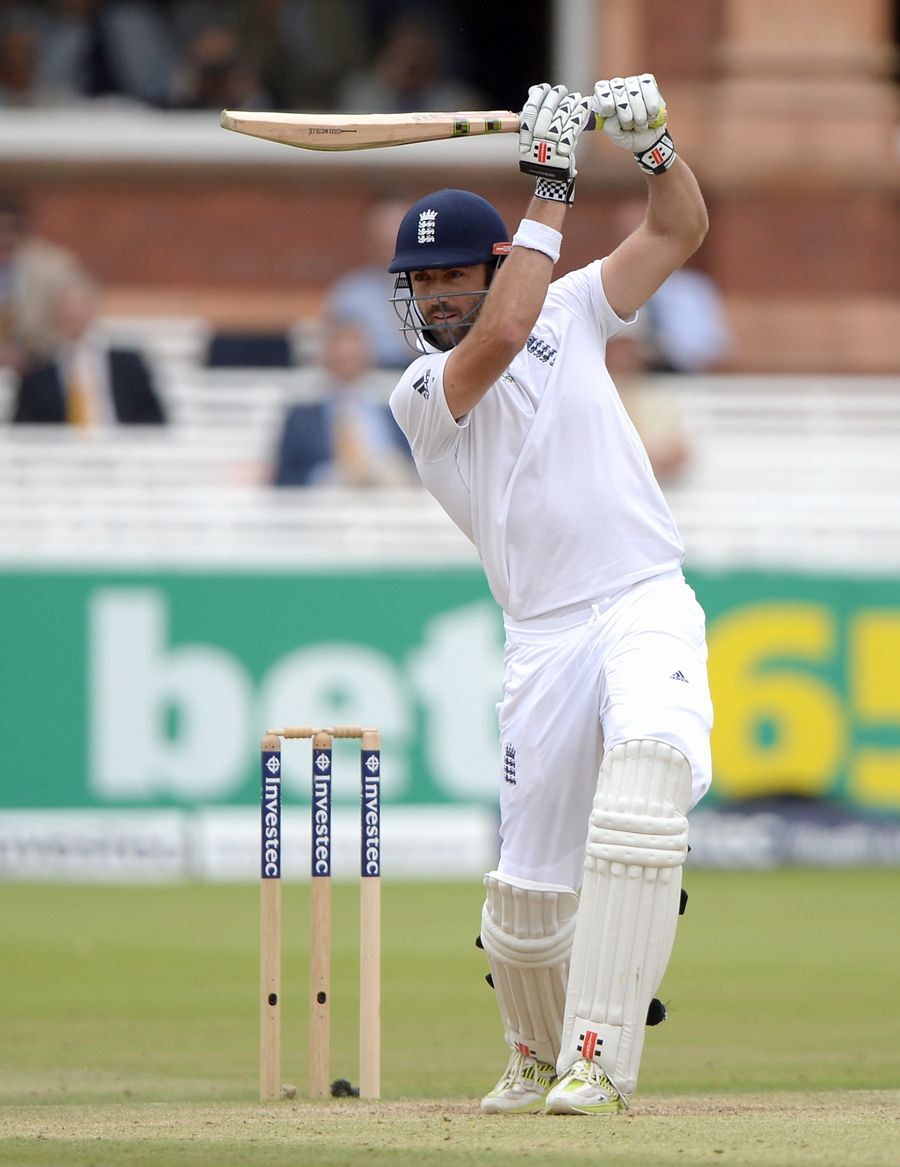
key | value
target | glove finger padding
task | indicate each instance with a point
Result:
(570, 119)
(550, 125)
(529, 113)
(653, 102)
(547, 110)
(624, 109)
(559, 122)
(634, 117)
(604, 101)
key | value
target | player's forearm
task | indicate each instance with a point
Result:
(520, 286)
(550, 125)
(515, 301)
(510, 310)
(545, 211)
(504, 323)
(675, 208)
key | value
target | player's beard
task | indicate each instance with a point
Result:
(447, 325)
(411, 312)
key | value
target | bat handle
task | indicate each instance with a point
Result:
(595, 121)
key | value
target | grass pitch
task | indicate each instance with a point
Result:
(128, 1032)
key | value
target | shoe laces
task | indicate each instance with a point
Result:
(523, 1069)
(591, 1073)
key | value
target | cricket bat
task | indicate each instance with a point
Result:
(332, 131)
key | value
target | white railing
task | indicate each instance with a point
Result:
(800, 473)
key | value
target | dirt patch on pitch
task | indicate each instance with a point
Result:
(847, 1129)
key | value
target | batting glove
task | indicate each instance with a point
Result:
(634, 116)
(549, 127)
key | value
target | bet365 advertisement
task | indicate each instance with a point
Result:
(126, 691)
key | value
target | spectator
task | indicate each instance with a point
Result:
(18, 59)
(347, 437)
(689, 325)
(92, 49)
(305, 47)
(86, 383)
(409, 74)
(650, 406)
(687, 329)
(32, 274)
(364, 293)
(218, 73)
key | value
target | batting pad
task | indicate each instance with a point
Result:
(636, 848)
(526, 930)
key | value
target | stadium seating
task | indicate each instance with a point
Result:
(789, 472)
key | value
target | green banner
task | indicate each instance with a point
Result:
(154, 690)
(136, 690)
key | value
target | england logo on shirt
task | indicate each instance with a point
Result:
(540, 349)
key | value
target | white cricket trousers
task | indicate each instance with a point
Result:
(631, 666)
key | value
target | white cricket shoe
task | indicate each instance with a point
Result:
(585, 1089)
(522, 1088)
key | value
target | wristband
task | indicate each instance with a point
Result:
(538, 237)
(657, 159)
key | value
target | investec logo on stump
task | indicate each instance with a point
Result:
(370, 843)
(270, 859)
(321, 817)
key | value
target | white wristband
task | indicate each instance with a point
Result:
(538, 237)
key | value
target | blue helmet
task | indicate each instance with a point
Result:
(449, 228)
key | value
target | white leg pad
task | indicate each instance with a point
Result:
(527, 930)
(625, 929)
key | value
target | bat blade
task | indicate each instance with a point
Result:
(332, 132)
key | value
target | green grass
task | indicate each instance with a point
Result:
(128, 1029)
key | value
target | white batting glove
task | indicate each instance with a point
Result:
(549, 127)
(634, 117)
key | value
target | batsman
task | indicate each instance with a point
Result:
(518, 431)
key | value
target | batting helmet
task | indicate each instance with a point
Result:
(450, 228)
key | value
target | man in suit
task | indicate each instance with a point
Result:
(33, 273)
(86, 383)
(347, 436)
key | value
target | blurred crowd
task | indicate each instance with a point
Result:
(372, 55)
(351, 55)
(63, 371)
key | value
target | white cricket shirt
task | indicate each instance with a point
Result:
(546, 475)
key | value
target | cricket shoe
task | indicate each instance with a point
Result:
(585, 1089)
(522, 1088)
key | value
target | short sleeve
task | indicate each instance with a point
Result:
(421, 411)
